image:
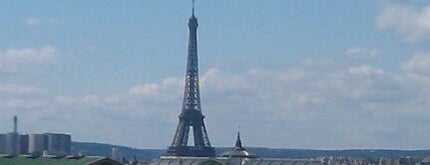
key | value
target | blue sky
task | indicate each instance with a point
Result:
(295, 74)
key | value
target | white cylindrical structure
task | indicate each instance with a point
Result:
(36, 144)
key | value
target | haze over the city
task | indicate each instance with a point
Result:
(294, 74)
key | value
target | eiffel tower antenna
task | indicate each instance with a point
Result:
(194, 6)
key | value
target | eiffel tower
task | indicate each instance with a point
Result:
(191, 115)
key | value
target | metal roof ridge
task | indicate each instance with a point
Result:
(95, 160)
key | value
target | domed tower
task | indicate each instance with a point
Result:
(238, 151)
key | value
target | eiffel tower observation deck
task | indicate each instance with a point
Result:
(191, 119)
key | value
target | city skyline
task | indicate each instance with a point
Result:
(293, 74)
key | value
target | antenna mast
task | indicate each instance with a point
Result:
(194, 6)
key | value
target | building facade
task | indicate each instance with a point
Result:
(12, 143)
(58, 144)
(3, 143)
(50, 144)
(36, 144)
(23, 144)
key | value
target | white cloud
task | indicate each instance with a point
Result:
(316, 63)
(144, 90)
(410, 21)
(90, 99)
(334, 102)
(31, 22)
(22, 104)
(420, 62)
(363, 53)
(65, 100)
(19, 89)
(12, 58)
(172, 81)
(44, 55)
(365, 70)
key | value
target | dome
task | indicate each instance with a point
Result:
(238, 151)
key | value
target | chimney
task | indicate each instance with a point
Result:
(15, 124)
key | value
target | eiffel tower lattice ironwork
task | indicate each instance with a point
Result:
(191, 116)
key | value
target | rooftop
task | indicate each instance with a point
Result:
(66, 160)
(238, 151)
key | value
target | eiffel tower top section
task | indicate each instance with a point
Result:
(192, 92)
